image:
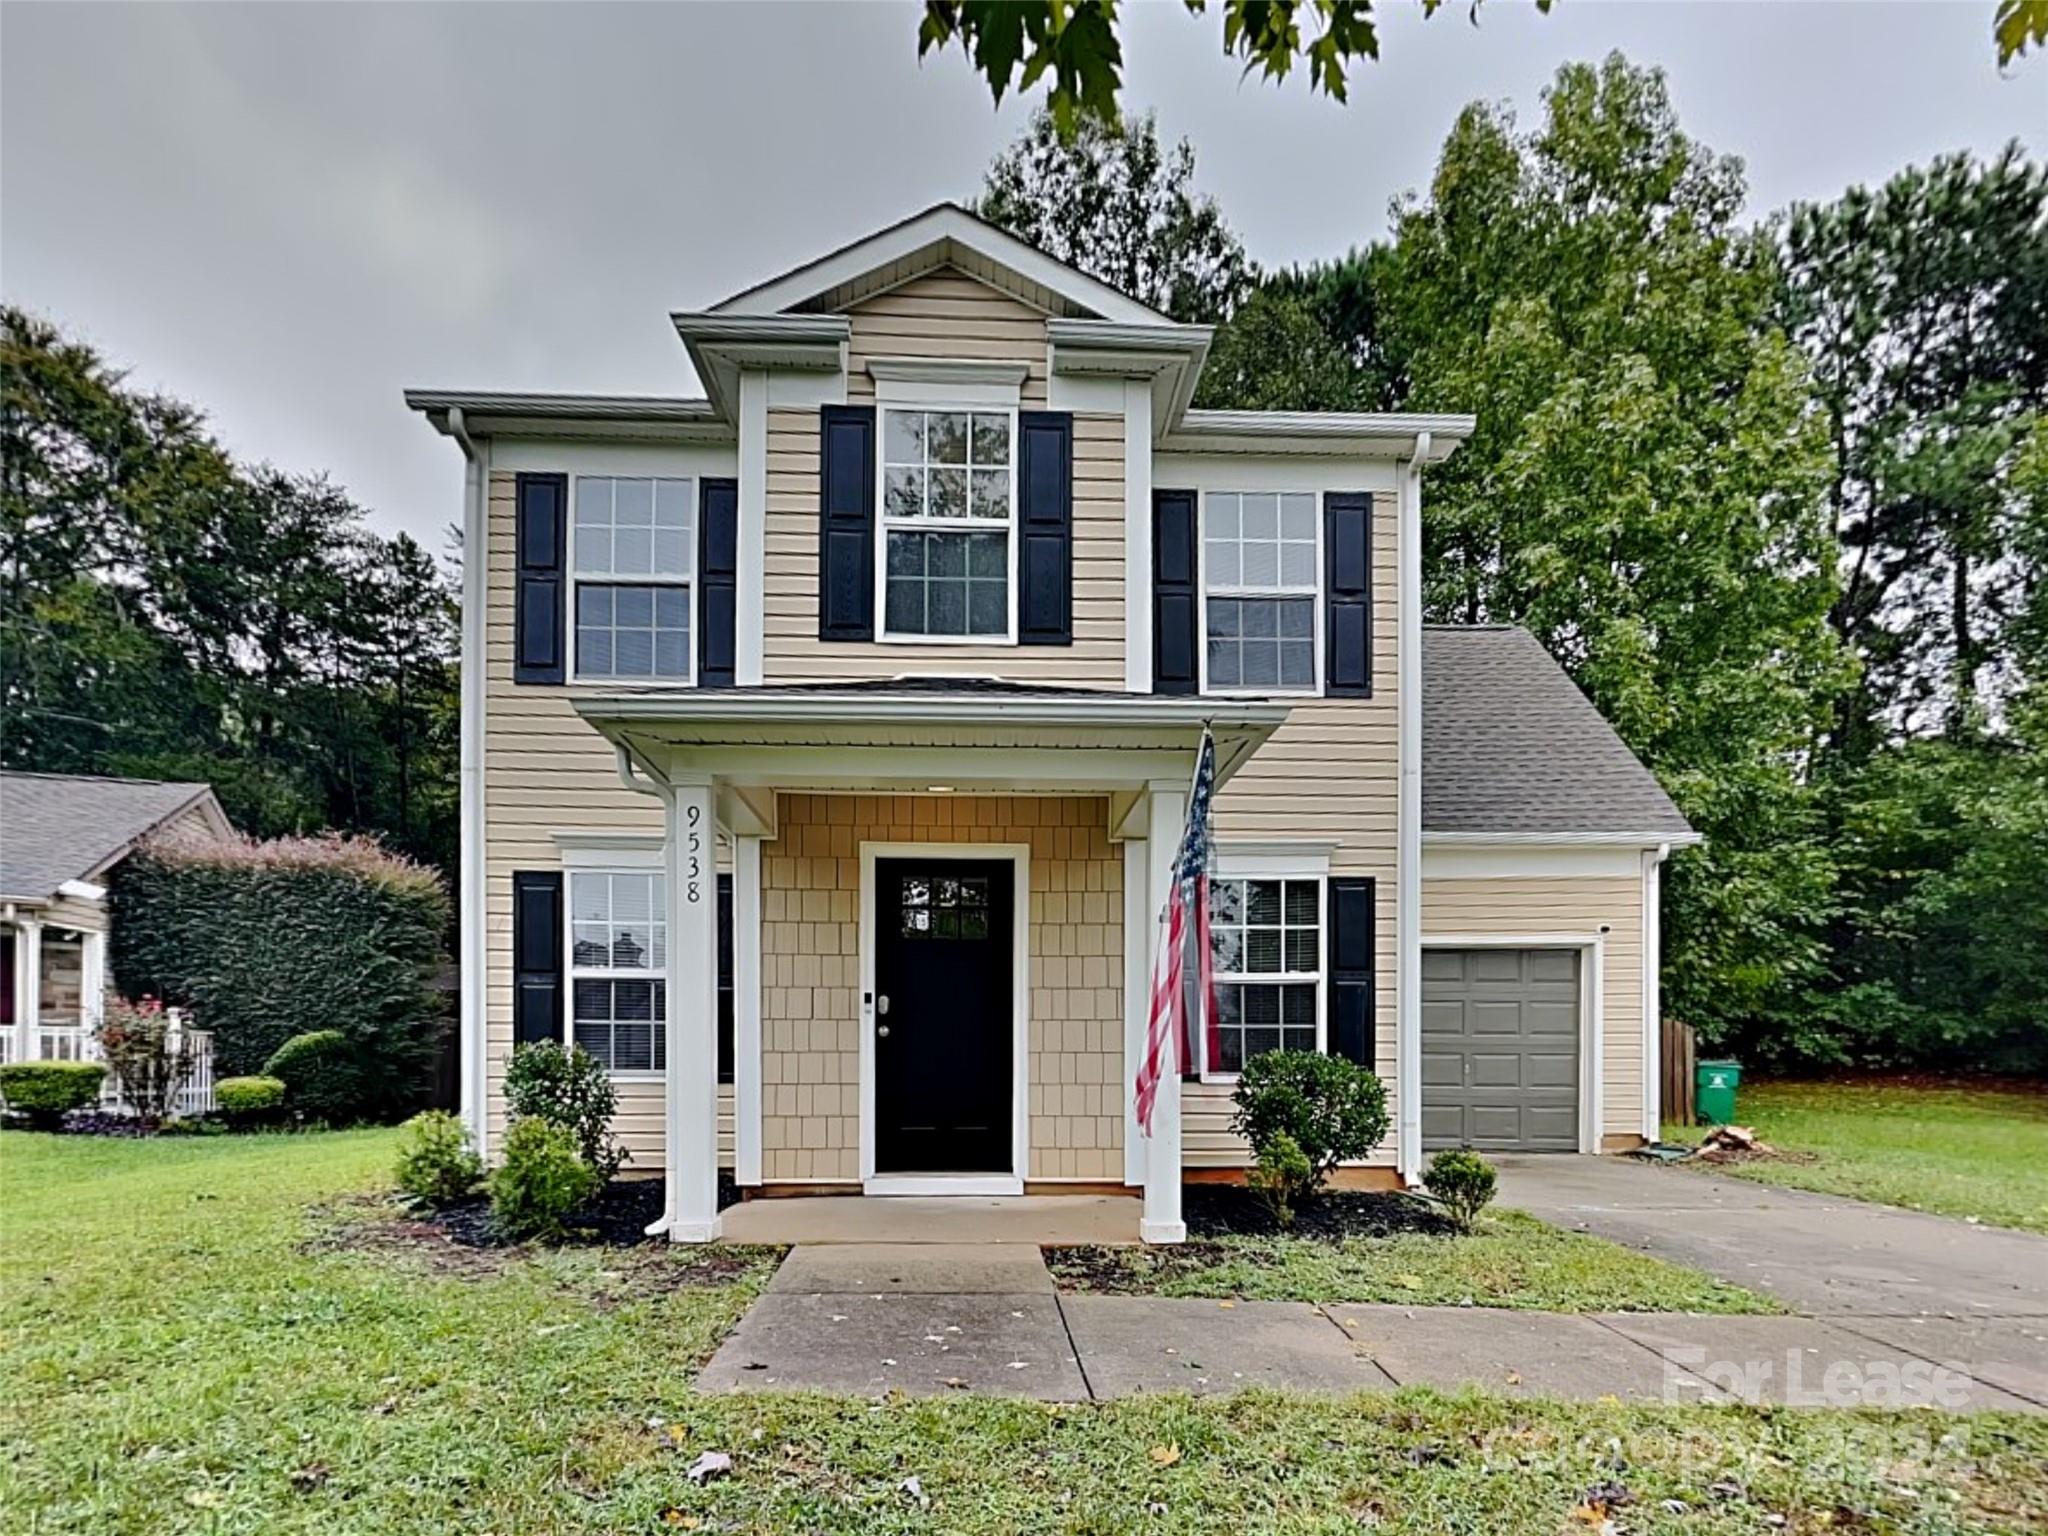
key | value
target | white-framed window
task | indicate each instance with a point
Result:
(633, 559)
(1266, 942)
(948, 563)
(1261, 562)
(618, 952)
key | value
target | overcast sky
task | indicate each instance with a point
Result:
(286, 214)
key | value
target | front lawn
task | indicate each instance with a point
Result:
(1512, 1260)
(195, 1337)
(1957, 1149)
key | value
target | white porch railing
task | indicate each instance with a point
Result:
(72, 1043)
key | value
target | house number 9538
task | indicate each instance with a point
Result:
(693, 846)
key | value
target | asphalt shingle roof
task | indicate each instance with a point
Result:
(1510, 745)
(56, 827)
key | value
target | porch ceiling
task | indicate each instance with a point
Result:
(911, 739)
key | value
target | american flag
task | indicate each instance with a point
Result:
(1166, 1029)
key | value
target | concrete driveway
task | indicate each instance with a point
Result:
(1819, 1254)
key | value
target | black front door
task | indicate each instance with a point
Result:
(943, 1015)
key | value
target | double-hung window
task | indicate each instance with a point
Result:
(1259, 564)
(633, 553)
(618, 951)
(1266, 942)
(948, 498)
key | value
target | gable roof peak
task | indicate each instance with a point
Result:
(943, 235)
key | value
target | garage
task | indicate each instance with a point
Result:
(1500, 1049)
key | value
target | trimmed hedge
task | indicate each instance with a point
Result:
(267, 941)
(322, 1075)
(46, 1091)
(248, 1099)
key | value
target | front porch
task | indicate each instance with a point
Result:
(944, 903)
(1039, 1220)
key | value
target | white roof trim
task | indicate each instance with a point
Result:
(1361, 433)
(872, 708)
(1562, 839)
(930, 233)
(947, 370)
(82, 890)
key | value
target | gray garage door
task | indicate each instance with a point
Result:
(1500, 1049)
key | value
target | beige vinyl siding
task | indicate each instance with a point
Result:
(1557, 905)
(792, 652)
(75, 912)
(546, 771)
(811, 965)
(946, 314)
(1328, 775)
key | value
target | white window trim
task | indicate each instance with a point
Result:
(578, 579)
(1277, 867)
(1202, 594)
(596, 859)
(885, 525)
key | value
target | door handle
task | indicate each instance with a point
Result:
(882, 1003)
(881, 1031)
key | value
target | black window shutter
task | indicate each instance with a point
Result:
(846, 522)
(1173, 592)
(541, 531)
(536, 955)
(718, 571)
(725, 992)
(1348, 1005)
(1347, 595)
(1045, 528)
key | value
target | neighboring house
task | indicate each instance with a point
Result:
(60, 836)
(851, 710)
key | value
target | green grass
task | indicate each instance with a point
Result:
(181, 1351)
(1511, 1260)
(1954, 1150)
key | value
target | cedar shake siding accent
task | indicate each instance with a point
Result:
(1568, 904)
(1328, 775)
(546, 771)
(810, 974)
(792, 651)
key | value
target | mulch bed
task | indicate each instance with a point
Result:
(1231, 1210)
(617, 1218)
(1214, 1212)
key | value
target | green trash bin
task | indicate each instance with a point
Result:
(1714, 1084)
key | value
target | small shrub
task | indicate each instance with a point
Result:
(1281, 1169)
(247, 1101)
(1333, 1109)
(542, 1179)
(1462, 1182)
(149, 1055)
(322, 1076)
(436, 1162)
(44, 1092)
(571, 1089)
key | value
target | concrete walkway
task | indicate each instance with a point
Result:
(936, 1318)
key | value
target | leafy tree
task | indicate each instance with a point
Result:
(1110, 200)
(167, 613)
(1075, 42)
(1644, 489)
(1923, 307)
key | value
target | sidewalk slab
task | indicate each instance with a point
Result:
(2010, 1353)
(1519, 1354)
(914, 1269)
(1132, 1344)
(1799, 1362)
(997, 1345)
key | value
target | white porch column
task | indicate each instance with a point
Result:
(1161, 1223)
(692, 1003)
(92, 980)
(28, 984)
(746, 1009)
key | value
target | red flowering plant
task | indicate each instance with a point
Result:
(150, 1053)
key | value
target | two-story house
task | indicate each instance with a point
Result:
(826, 741)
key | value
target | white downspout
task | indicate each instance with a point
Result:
(1408, 821)
(1653, 1006)
(470, 906)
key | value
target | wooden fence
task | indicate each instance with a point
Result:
(1675, 1092)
